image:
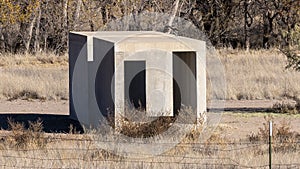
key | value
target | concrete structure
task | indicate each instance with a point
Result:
(154, 71)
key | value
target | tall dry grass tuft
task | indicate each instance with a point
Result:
(144, 129)
(22, 137)
(284, 139)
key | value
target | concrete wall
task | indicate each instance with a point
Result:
(77, 47)
(106, 70)
(91, 80)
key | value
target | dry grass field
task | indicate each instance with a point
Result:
(249, 75)
(258, 75)
(43, 77)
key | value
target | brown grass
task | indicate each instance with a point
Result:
(81, 151)
(285, 140)
(258, 75)
(286, 107)
(249, 75)
(43, 77)
(22, 137)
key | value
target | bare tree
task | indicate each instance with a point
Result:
(27, 26)
(174, 11)
(248, 20)
(65, 23)
(77, 14)
(30, 31)
(37, 29)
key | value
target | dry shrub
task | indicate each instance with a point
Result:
(215, 143)
(285, 108)
(58, 60)
(103, 155)
(187, 143)
(21, 137)
(138, 124)
(216, 138)
(211, 146)
(143, 128)
(73, 130)
(297, 106)
(191, 139)
(24, 95)
(284, 140)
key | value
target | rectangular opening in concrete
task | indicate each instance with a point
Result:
(184, 81)
(135, 84)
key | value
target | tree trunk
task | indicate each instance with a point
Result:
(265, 32)
(30, 31)
(268, 29)
(37, 30)
(216, 29)
(65, 14)
(196, 21)
(246, 35)
(65, 25)
(2, 41)
(76, 15)
(103, 15)
(45, 42)
(169, 26)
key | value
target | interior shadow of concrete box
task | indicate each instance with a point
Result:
(157, 72)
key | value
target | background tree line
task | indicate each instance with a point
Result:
(43, 25)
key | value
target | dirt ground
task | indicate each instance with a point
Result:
(34, 107)
(62, 107)
(235, 123)
(237, 126)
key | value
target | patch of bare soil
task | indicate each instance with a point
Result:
(62, 107)
(236, 124)
(34, 107)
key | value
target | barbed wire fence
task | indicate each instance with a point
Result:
(82, 153)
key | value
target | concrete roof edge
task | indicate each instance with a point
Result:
(116, 36)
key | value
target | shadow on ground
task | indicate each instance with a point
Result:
(51, 123)
(61, 123)
(240, 109)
